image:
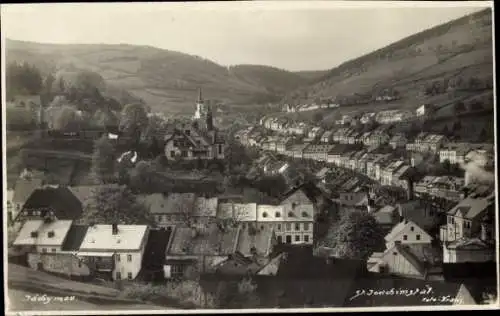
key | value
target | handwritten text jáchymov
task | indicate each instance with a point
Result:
(46, 299)
(393, 292)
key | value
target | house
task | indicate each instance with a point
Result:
(326, 137)
(446, 187)
(398, 141)
(376, 138)
(42, 236)
(346, 119)
(387, 173)
(239, 212)
(297, 151)
(367, 118)
(282, 144)
(189, 143)
(454, 153)
(422, 212)
(339, 136)
(299, 129)
(317, 152)
(314, 133)
(54, 202)
(321, 174)
(469, 250)
(423, 186)
(407, 232)
(292, 223)
(425, 110)
(406, 260)
(299, 195)
(192, 250)
(115, 250)
(204, 211)
(464, 219)
(354, 137)
(392, 116)
(434, 142)
(356, 198)
(198, 140)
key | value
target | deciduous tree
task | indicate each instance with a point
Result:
(113, 204)
(355, 236)
(103, 160)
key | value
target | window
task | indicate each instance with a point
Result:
(118, 275)
(53, 249)
(129, 275)
(220, 149)
(405, 237)
(412, 228)
(306, 226)
(297, 237)
(297, 226)
(418, 237)
(184, 153)
(172, 154)
(306, 238)
(278, 214)
(279, 227)
(280, 239)
(188, 132)
(44, 250)
(118, 257)
(288, 227)
(129, 258)
(394, 253)
(79, 263)
(264, 214)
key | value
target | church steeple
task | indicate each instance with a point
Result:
(200, 98)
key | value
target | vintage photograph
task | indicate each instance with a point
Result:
(260, 156)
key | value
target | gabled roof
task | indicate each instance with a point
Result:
(298, 195)
(60, 229)
(100, 238)
(61, 200)
(205, 206)
(172, 203)
(471, 207)
(211, 241)
(74, 238)
(469, 244)
(399, 228)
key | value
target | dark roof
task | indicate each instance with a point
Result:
(61, 200)
(74, 238)
(154, 253)
(299, 263)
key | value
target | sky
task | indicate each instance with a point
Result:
(297, 35)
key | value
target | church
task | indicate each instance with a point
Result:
(198, 140)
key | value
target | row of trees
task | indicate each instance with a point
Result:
(22, 79)
(460, 83)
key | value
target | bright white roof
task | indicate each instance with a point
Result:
(100, 237)
(60, 229)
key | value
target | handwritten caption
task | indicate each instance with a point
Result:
(47, 299)
(425, 293)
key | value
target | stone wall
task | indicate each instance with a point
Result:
(66, 264)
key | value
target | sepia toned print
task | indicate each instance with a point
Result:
(262, 156)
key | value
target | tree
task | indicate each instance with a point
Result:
(22, 79)
(68, 119)
(114, 204)
(134, 120)
(273, 185)
(141, 175)
(103, 160)
(355, 236)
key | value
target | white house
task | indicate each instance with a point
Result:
(39, 236)
(407, 232)
(122, 245)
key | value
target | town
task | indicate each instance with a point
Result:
(114, 202)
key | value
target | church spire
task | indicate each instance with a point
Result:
(200, 98)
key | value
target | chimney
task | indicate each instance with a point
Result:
(409, 191)
(114, 229)
(465, 192)
(484, 231)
